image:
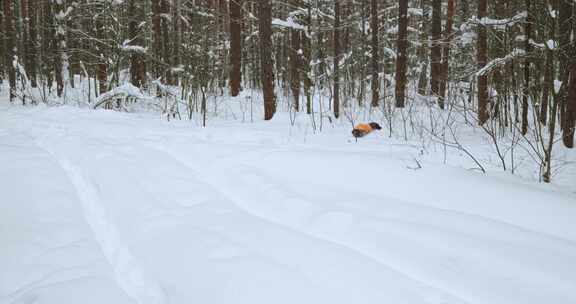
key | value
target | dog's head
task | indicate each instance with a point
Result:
(375, 126)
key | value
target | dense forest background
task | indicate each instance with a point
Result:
(506, 67)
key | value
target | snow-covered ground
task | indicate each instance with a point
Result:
(106, 207)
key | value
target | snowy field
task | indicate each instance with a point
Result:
(105, 207)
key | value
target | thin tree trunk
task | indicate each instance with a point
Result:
(566, 57)
(10, 40)
(482, 58)
(2, 47)
(446, 50)
(32, 49)
(177, 42)
(157, 38)
(102, 68)
(375, 54)
(307, 44)
(402, 53)
(336, 97)
(570, 110)
(166, 47)
(548, 87)
(528, 49)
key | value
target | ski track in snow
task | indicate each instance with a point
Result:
(250, 179)
(129, 274)
(215, 182)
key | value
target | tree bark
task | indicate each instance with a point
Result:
(528, 49)
(548, 87)
(32, 59)
(375, 54)
(102, 67)
(137, 56)
(402, 53)
(266, 62)
(157, 37)
(423, 50)
(171, 79)
(235, 47)
(295, 54)
(566, 57)
(446, 49)
(436, 52)
(482, 58)
(570, 110)
(336, 95)
(61, 60)
(307, 44)
(10, 41)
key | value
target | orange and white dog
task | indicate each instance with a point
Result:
(361, 130)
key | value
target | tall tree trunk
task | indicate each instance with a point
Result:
(10, 45)
(446, 49)
(548, 87)
(102, 67)
(61, 62)
(24, 21)
(566, 57)
(157, 38)
(235, 47)
(266, 62)
(570, 110)
(423, 49)
(137, 56)
(295, 54)
(402, 53)
(336, 97)
(482, 60)
(2, 47)
(32, 49)
(528, 49)
(375, 53)
(363, 62)
(166, 47)
(177, 42)
(47, 47)
(307, 44)
(436, 52)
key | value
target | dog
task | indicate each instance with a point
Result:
(361, 130)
